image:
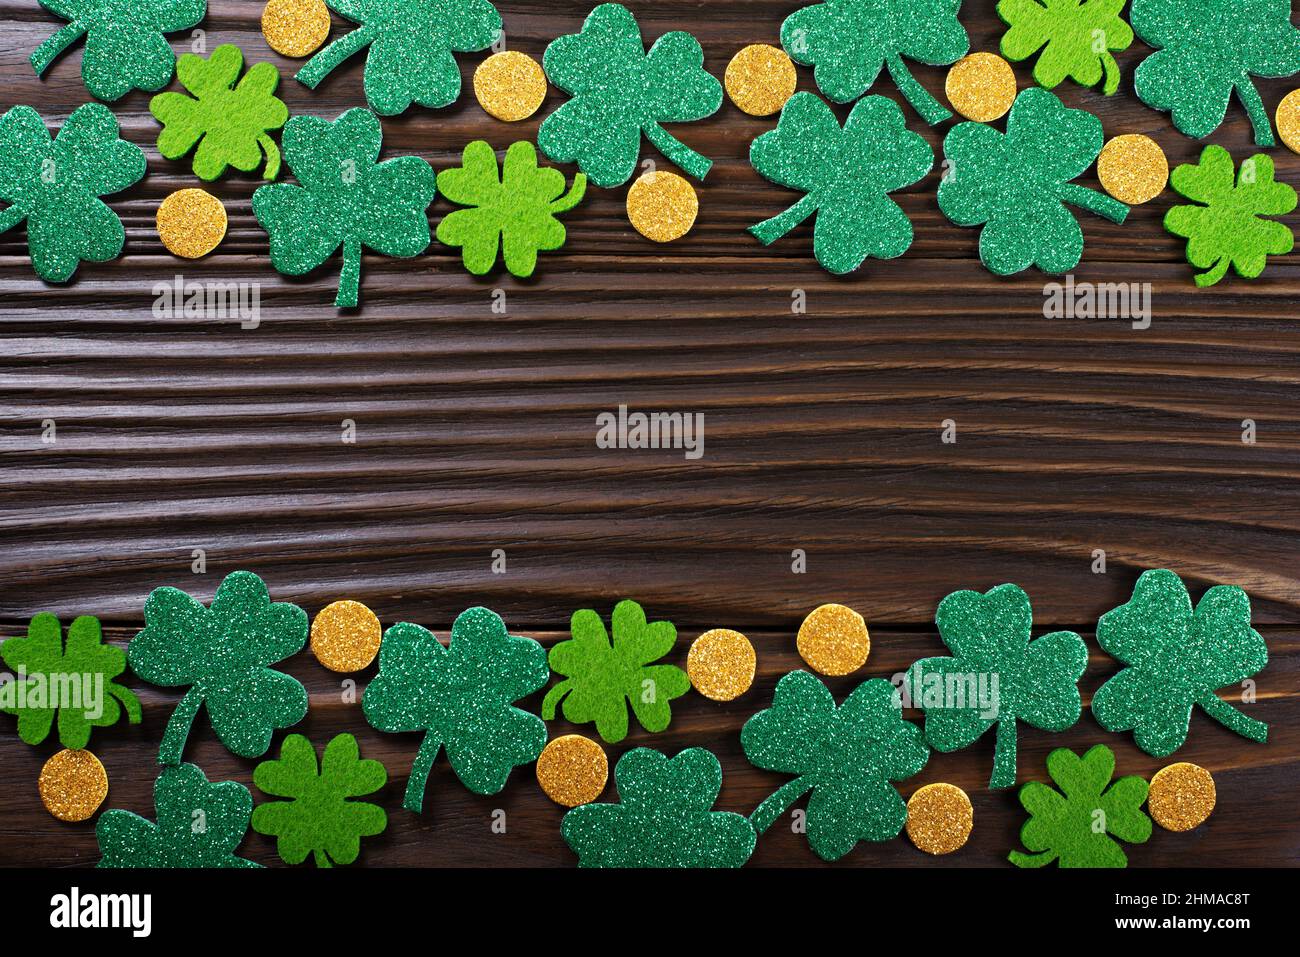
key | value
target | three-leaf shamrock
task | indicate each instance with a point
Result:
(664, 817)
(1075, 824)
(601, 677)
(620, 91)
(231, 121)
(847, 174)
(1229, 228)
(1177, 657)
(513, 208)
(461, 697)
(998, 676)
(318, 818)
(224, 654)
(346, 198)
(847, 756)
(1017, 184)
(1076, 39)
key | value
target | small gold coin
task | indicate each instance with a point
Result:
(1181, 796)
(760, 78)
(73, 784)
(295, 27)
(191, 223)
(721, 664)
(510, 86)
(939, 818)
(1288, 120)
(345, 636)
(662, 206)
(1133, 169)
(572, 770)
(981, 87)
(834, 640)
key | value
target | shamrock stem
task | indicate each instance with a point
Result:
(931, 110)
(1111, 70)
(677, 151)
(272, 152)
(130, 703)
(350, 277)
(573, 197)
(778, 803)
(1211, 278)
(321, 859)
(553, 698)
(319, 66)
(11, 217)
(1094, 202)
(1234, 720)
(1004, 755)
(44, 54)
(1249, 97)
(1031, 860)
(769, 231)
(414, 799)
(178, 728)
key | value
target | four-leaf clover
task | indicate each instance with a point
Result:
(1076, 39)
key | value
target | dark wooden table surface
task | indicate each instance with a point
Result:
(475, 431)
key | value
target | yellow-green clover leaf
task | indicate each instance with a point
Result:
(1076, 39)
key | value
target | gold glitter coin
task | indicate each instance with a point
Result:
(834, 640)
(345, 636)
(981, 87)
(760, 78)
(73, 784)
(1133, 169)
(510, 86)
(191, 223)
(572, 770)
(1181, 796)
(295, 27)
(662, 206)
(939, 818)
(1288, 120)
(721, 664)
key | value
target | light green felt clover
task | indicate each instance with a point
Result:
(199, 825)
(514, 208)
(603, 677)
(319, 819)
(846, 756)
(412, 43)
(1076, 39)
(850, 41)
(230, 121)
(1076, 824)
(664, 817)
(1177, 657)
(346, 198)
(44, 666)
(461, 696)
(1206, 49)
(55, 184)
(998, 675)
(224, 655)
(1228, 229)
(847, 175)
(1017, 184)
(125, 46)
(620, 91)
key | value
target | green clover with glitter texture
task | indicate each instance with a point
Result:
(1076, 39)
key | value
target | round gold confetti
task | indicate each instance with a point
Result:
(981, 87)
(73, 784)
(834, 640)
(295, 27)
(662, 206)
(510, 86)
(939, 818)
(572, 770)
(345, 636)
(760, 78)
(191, 223)
(1181, 796)
(1288, 120)
(1133, 168)
(721, 664)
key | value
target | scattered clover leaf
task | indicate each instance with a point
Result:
(1076, 39)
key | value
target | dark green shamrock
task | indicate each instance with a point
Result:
(1076, 39)
(619, 92)
(664, 817)
(846, 756)
(224, 654)
(1177, 657)
(602, 678)
(847, 175)
(998, 676)
(1075, 825)
(461, 697)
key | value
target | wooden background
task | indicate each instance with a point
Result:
(476, 432)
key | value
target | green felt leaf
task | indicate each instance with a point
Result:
(1076, 39)
(846, 756)
(602, 677)
(664, 817)
(223, 654)
(1017, 184)
(461, 696)
(1177, 657)
(620, 91)
(345, 198)
(1075, 825)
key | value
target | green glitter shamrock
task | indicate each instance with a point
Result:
(602, 678)
(346, 199)
(664, 817)
(849, 41)
(55, 185)
(1206, 49)
(1177, 657)
(1075, 824)
(514, 207)
(224, 654)
(232, 121)
(847, 174)
(847, 757)
(318, 818)
(1229, 229)
(199, 825)
(619, 92)
(125, 46)
(999, 675)
(412, 43)
(1017, 184)
(76, 681)
(1076, 39)
(460, 696)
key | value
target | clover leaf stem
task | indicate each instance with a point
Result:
(321, 859)
(429, 747)
(272, 152)
(1216, 273)
(778, 803)
(350, 277)
(130, 703)
(1093, 202)
(677, 151)
(1111, 70)
(321, 65)
(553, 698)
(1250, 99)
(931, 110)
(1234, 720)
(178, 727)
(1004, 755)
(769, 231)
(1031, 860)
(44, 54)
(573, 197)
